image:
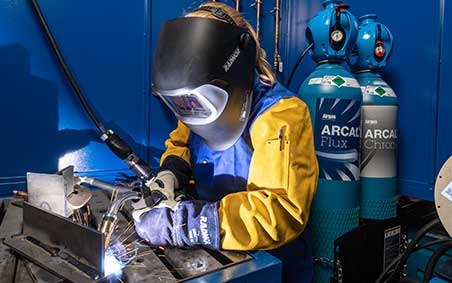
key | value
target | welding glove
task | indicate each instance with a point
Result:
(190, 224)
(165, 183)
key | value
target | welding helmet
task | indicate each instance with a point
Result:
(204, 71)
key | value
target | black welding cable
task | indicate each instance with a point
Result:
(430, 269)
(404, 257)
(387, 270)
(66, 69)
(412, 245)
(407, 280)
(295, 67)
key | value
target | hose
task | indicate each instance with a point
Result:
(434, 260)
(295, 67)
(66, 69)
(117, 145)
(411, 247)
(397, 259)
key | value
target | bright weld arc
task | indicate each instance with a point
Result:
(116, 259)
(112, 265)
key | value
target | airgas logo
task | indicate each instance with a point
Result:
(329, 117)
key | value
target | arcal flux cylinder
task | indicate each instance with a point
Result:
(334, 99)
(379, 121)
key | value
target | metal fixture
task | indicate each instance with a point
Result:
(277, 61)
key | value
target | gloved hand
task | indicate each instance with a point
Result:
(166, 184)
(189, 224)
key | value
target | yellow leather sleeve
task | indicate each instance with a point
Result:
(177, 144)
(281, 185)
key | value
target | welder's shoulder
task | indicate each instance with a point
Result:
(289, 110)
(289, 114)
(289, 103)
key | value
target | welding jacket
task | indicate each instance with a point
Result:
(264, 183)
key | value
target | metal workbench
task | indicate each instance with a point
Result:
(165, 265)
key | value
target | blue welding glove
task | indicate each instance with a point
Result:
(189, 224)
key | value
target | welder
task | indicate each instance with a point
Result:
(243, 138)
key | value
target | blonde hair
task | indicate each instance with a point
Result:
(264, 69)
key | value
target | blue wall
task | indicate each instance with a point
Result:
(109, 46)
(42, 124)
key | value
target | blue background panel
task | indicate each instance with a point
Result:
(42, 123)
(444, 145)
(109, 47)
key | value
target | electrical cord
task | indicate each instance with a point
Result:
(397, 259)
(400, 261)
(430, 269)
(66, 69)
(411, 246)
(295, 67)
(116, 144)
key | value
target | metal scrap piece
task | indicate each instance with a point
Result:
(52, 229)
(56, 265)
(191, 262)
(11, 225)
(49, 191)
(41, 275)
(147, 269)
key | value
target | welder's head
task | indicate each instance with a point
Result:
(204, 70)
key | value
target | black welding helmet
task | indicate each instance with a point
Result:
(204, 71)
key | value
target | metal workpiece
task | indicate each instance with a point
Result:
(13, 269)
(58, 266)
(59, 193)
(49, 191)
(83, 242)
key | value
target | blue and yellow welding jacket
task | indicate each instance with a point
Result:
(265, 182)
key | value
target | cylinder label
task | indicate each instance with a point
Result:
(379, 142)
(337, 138)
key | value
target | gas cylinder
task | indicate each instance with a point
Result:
(379, 121)
(334, 98)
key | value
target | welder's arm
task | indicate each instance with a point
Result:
(281, 185)
(176, 157)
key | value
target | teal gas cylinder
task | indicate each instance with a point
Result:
(334, 99)
(378, 149)
(379, 121)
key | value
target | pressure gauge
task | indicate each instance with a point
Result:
(337, 35)
(380, 49)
